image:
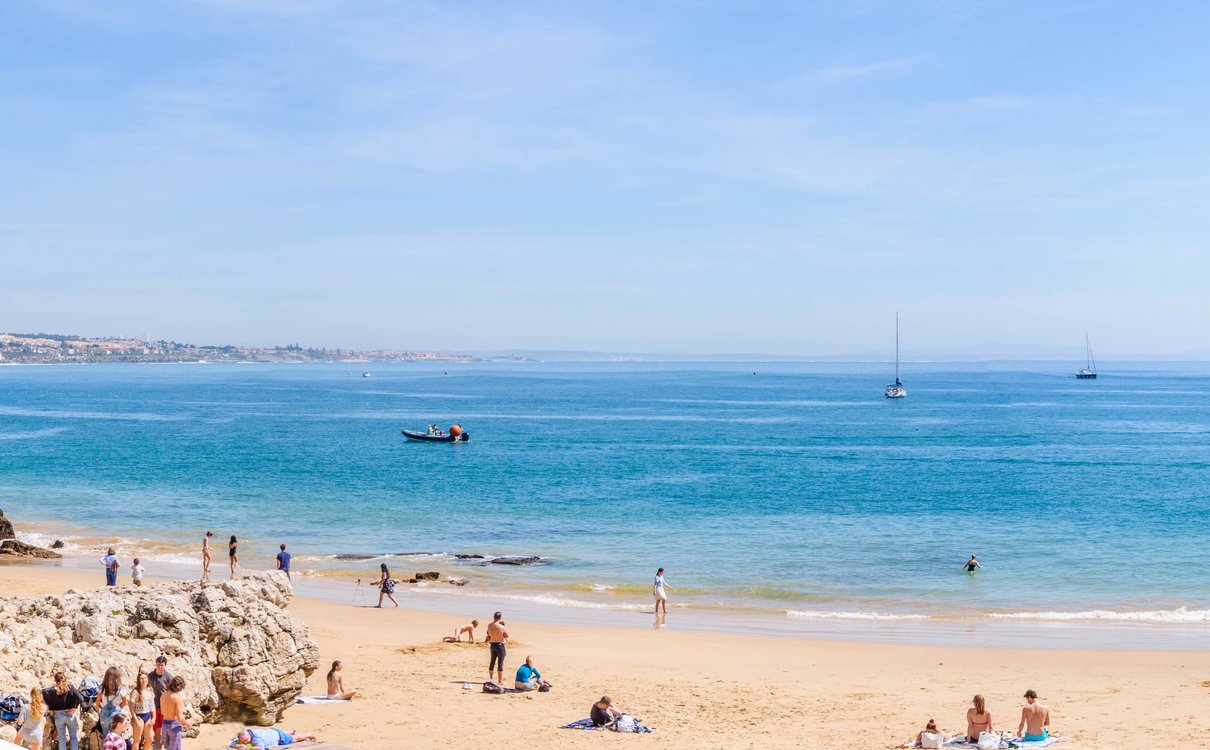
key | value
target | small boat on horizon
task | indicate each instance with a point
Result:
(1090, 366)
(896, 389)
(435, 434)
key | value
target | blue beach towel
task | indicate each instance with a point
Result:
(581, 724)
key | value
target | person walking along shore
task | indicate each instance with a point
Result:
(657, 590)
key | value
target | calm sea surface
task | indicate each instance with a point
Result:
(796, 491)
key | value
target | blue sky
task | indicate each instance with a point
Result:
(774, 177)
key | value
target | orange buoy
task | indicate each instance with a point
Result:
(455, 430)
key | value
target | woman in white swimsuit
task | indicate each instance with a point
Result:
(336, 685)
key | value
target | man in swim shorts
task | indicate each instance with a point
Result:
(1035, 719)
(263, 737)
(496, 637)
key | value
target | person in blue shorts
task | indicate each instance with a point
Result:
(263, 737)
(1035, 719)
(283, 561)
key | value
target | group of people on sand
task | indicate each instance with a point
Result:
(151, 712)
(1033, 727)
(111, 563)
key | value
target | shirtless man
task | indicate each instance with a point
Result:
(468, 630)
(1035, 719)
(172, 707)
(496, 636)
(206, 555)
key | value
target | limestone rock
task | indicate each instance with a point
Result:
(243, 656)
(6, 528)
(431, 576)
(21, 549)
(57, 544)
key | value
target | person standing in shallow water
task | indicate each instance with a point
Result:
(232, 556)
(283, 561)
(386, 586)
(972, 564)
(657, 590)
(206, 555)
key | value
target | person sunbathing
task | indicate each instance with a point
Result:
(1035, 719)
(265, 737)
(468, 630)
(937, 736)
(978, 719)
(336, 684)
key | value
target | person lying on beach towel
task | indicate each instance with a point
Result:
(933, 737)
(264, 737)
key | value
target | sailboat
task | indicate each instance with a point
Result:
(1090, 367)
(896, 390)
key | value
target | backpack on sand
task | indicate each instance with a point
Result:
(10, 707)
(493, 688)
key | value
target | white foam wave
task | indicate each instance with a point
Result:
(32, 434)
(807, 615)
(1180, 614)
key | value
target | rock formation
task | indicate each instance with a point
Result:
(243, 656)
(21, 549)
(6, 528)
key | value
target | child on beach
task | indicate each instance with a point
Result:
(29, 723)
(469, 630)
(113, 738)
(136, 573)
(386, 586)
(657, 590)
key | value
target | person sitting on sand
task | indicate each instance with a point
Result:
(336, 685)
(978, 719)
(528, 678)
(971, 565)
(931, 729)
(263, 737)
(1035, 719)
(603, 713)
(469, 630)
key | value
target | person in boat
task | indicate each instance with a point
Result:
(972, 564)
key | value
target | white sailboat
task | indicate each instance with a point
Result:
(1090, 366)
(896, 389)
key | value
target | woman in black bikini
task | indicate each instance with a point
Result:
(232, 546)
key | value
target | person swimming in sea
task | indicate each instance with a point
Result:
(972, 564)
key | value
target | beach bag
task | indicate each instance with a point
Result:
(493, 688)
(626, 723)
(988, 741)
(932, 739)
(544, 687)
(89, 687)
(10, 707)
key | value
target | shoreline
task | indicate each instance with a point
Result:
(1049, 630)
(719, 688)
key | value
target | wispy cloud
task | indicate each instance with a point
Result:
(864, 70)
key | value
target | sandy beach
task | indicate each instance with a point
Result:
(706, 690)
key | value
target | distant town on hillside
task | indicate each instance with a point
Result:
(53, 348)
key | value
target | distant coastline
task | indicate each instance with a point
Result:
(53, 348)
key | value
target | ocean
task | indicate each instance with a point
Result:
(779, 497)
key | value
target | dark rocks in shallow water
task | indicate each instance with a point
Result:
(458, 581)
(515, 560)
(468, 557)
(6, 528)
(356, 557)
(21, 549)
(57, 544)
(430, 576)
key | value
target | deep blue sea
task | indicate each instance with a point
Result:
(793, 490)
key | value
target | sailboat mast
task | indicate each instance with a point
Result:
(1092, 365)
(896, 347)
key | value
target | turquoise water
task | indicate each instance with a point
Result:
(798, 490)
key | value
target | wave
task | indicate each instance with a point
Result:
(851, 615)
(1180, 614)
(17, 411)
(33, 434)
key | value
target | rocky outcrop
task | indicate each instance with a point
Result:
(6, 528)
(243, 656)
(21, 549)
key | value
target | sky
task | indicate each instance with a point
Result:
(657, 176)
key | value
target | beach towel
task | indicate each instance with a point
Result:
(581, 724)
(309, 700)
(959, 742)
